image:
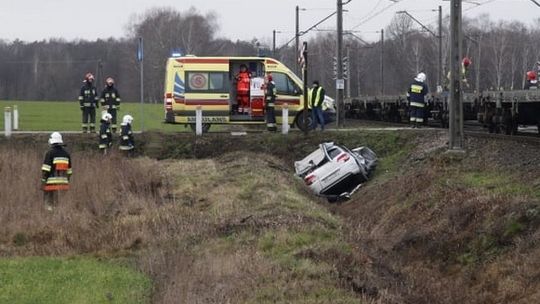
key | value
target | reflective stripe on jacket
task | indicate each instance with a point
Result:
(316, 99)
(56, 169)
(416, 94)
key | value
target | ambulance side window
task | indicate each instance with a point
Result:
(207, 82)
(285, 85)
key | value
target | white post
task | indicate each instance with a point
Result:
(198, 121)
(285, 119)
(7, 121)
(15, 118)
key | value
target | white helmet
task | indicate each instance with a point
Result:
(128, 119)
(106, 116)
(56, 139)
(420, 77)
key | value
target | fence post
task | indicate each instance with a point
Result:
(198, 121)
(285, 119)
(15, 118)
(7, 121)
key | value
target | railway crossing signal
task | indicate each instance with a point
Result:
(345, 67)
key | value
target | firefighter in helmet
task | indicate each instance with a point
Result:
(105, 135)
(110, 101)
(55, 171)
(416, 95)
(532, 82)
(88, 103)
(127, 142)
(242, 89)
(270, 102)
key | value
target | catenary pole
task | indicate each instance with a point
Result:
(339, 65)
(456, 105)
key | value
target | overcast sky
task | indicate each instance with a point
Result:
(31, 20)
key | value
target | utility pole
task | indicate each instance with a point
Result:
(297, 38)
(477, 82)
(340, 85)
(456, 105)
(274, 43)
(349, 76)
(440, 75)
(140, 57)
(382, 62)
(304, 66)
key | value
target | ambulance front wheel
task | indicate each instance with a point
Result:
(205, 127)
(299, 121)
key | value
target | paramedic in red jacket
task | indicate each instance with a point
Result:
(242, 89)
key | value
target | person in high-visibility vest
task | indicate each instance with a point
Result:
(110, 101)
(55, 171)
(88, 103)
(316, 98)
(416, 95)
(270, 102)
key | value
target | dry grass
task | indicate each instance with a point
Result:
(238, 228)
(451, 231)
(205, 231)
(96, 214)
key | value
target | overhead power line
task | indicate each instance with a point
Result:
(394, 2)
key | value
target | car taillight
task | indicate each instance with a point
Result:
(310, 179)
(343, 157)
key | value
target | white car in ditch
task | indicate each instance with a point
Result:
(334, 171)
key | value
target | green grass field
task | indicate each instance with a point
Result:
(79, 280)
(66, 116)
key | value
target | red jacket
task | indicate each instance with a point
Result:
(242, 84)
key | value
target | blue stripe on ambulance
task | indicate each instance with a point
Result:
(179, 86)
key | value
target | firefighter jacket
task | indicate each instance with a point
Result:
(270, 94)
(316, 97)
(416, 94)
(243, 83)
(531, 85)
(88, 96)
(105, 135)
(110, 99)
(126, 138)
(56, 169)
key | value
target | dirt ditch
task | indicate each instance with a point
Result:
(429, 228)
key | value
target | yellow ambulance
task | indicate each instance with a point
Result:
(211, 83)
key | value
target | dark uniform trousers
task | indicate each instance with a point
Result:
(270, 100)
(88, 101)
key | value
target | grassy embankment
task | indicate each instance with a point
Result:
(236, 226)
(220, 219)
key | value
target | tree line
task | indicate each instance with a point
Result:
(501, 52)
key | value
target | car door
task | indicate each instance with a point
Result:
(287, 91)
